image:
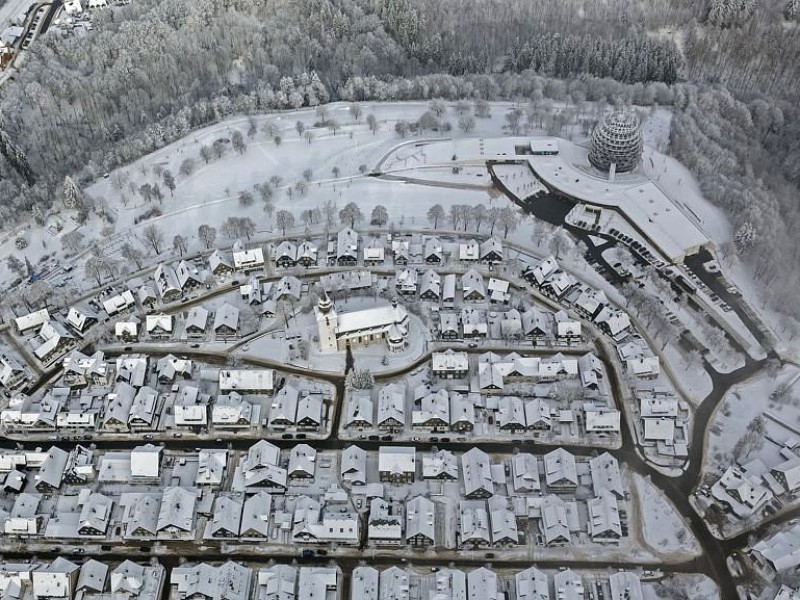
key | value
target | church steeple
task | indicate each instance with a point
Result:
(324, 303)
(327, 322)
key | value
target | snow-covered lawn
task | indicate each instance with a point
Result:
(741, 406)
(663, 528)
(695, 586)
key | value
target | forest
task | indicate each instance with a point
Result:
(154, 70)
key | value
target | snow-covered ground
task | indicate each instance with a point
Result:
(11, 10)
(743, 404)
(694, 586)
(663, 529)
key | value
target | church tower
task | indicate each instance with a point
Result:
(326, 323)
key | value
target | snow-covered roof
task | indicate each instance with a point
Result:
(477, 472)
(226, 316)
(256, 380)
(559, 468)
(371, 318)
(32, 320)
(625, 586)
(606, 475)
(604, 517)
(554, 520)
(244, 258)
(159, 322)
(397, 460)
(525, 473)
(662, 220)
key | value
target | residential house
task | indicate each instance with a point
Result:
(231, 411)
(432, 251)
(420, 522)
(433, 413)
(449, 364)
(477, 472)
(401, 251)
(483, 584)
(219, 265)
(354, 465)
(12, 373)
(285, 254)
(568, 585)
(473, 323)
(537, 324)
(255, 516)
(247, 260)
(374, 252)
(188, 277)
(27, 323)
(169, 289)
(560, 470)
(288, 288)
(302, 462)
(127, 331)
(53, 340)
(229, 581)
(307, 254)
(430, 286)
(554, 527)
(81, 319)
(159, 326)
(502, 522)
(606, 475)
(525, 473)
(531, 584)
(604, 519)
(314, 523)
(397, 464)
(114, 305)
(441, 465)
(226, 518)
(95, 514)
(309, 412)
(491, 251)
(347, 248)
(462, 412)
(147, 297)
(406, 281)
(360, 410)
(625, 586)
(473, 286)
(226, 321)
(384, 528)
(391, 407)
(469, 251)
(449, 290)
(196, 322)
(474, 523)
(448, 326)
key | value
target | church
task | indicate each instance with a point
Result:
(361, 327)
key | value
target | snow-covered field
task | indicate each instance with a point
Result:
(662, 528)
(338, 163)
